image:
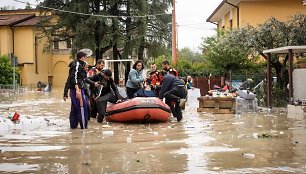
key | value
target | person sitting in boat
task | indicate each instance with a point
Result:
(135, 79)
(173, 90)
(166, 66)
(106, 91)
(94, 70)
(154, 79)
(153, 68)
(154, 76)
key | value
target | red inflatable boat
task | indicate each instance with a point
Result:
(139, 109)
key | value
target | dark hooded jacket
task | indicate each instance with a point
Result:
(169, 82)
(108, 85)
(76, 76)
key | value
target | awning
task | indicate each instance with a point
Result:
(282, 50)
(290, 50)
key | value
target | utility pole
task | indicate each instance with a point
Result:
(174, 46)
(14, 74)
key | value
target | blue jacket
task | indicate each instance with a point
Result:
(169, 82)
(135, 79)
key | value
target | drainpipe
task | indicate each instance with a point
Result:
(13, 56)
(13, 42)
(237, 11)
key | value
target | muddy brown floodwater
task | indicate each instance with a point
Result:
(200, 143)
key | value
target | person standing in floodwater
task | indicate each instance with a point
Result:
(135, 79)
(106, 92)
(166, 66)
(76, 85)
(93, 71)
(189, 82)
(174, 91)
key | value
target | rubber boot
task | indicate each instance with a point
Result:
(172, 108)
(100, 118)
(93, 110)
(179, 116)
(178, 112)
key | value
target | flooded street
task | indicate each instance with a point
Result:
(200, 143)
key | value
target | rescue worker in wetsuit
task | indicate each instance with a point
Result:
(106, 91)
(75, 84)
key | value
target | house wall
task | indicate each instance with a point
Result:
(61, 70)
(35, 64)
(234, 17)
(24, 44)
(6, 44)
(256, 12)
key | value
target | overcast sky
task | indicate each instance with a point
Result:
(191, 19)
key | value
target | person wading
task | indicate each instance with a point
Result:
(94, 70)
(75, 84)
(174, 91)
(106, 91)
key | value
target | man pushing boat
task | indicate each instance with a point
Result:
(173, 90)
(107, 91)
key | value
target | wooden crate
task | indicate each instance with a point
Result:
(216, 105)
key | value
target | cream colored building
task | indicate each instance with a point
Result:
(19, 37)
(234, 13)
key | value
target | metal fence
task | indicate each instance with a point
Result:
(10, 89)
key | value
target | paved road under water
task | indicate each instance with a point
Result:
(200, 143)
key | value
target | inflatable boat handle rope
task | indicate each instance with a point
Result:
(146, 117)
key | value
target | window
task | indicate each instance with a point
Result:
(69, 43)
(56, 45)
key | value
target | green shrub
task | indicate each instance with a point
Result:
(6, 71)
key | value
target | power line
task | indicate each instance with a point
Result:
(191, 24)
(198, 28)
(87, 14)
